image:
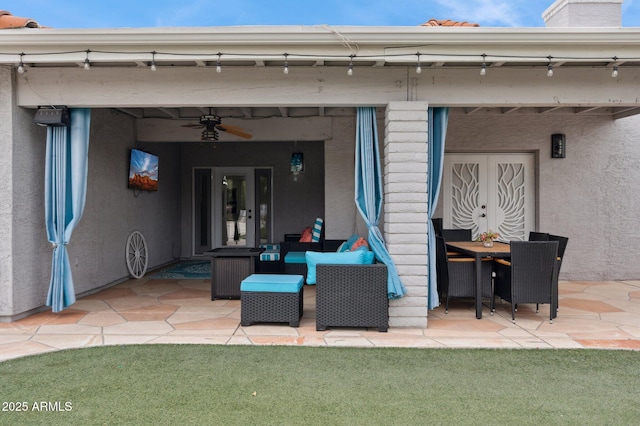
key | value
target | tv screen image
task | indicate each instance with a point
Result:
(143, 171)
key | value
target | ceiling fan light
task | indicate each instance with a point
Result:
(210, 135)
(209, 120)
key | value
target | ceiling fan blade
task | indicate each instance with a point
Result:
(234, 130)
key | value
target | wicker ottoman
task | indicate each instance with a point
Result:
(271, 298)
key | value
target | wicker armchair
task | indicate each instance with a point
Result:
(352, 296)
(529, 276)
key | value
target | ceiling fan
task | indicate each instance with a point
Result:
(212, 123)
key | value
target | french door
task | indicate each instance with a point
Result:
(224, 207)
(234, 207)
(490, 191)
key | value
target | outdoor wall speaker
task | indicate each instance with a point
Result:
(558, 146)
(54, 116)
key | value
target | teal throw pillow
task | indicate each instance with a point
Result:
(346, 246)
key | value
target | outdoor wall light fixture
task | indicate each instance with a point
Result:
(286, 64)
(558, 145)
(418, 67)
(55, 116)
(297, 164)
(483, 70)
(350, 70)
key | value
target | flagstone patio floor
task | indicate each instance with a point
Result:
(603, 314)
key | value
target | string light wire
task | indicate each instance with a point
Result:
(95, 58)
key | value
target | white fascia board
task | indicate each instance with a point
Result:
(266, 42)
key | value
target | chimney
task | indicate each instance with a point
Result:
(584, 13)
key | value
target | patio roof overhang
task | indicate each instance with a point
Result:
(511, 55)
(377, 46)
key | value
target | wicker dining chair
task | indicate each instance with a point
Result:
(538, 236)
(456, 275)
(456, 234)
(528, 277)
(562, 246)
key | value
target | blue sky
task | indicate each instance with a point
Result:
(169, 13)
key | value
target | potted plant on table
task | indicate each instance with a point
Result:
(488, 237)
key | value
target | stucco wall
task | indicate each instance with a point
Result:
(6, 190)
(591, 196)
(112, 212)
(31, 251)
(23, 256)
(343, 217)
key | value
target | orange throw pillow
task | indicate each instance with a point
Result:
(306, 235)
(359, 243)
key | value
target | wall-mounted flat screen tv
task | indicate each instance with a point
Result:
(143, 171)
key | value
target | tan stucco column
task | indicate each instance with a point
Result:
(405, 207)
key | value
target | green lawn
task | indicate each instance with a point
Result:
(256, 385)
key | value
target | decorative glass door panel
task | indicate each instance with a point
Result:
(492, 191)
(263, 200)
(234, 208)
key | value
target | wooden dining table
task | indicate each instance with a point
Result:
(477, 250)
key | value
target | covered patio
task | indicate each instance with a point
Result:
(508, 90)
(593, 314)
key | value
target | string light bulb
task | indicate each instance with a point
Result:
(418, 67)
(153, 61)
(614, 73)
(286, 64)
(549, 67)
(87, 64)
(483, 69)
(219, 64)
(21, 68)
(350, 70)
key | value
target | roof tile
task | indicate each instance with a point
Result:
(8, 21)
(448, 23)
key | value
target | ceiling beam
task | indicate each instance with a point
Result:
(132, 112)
